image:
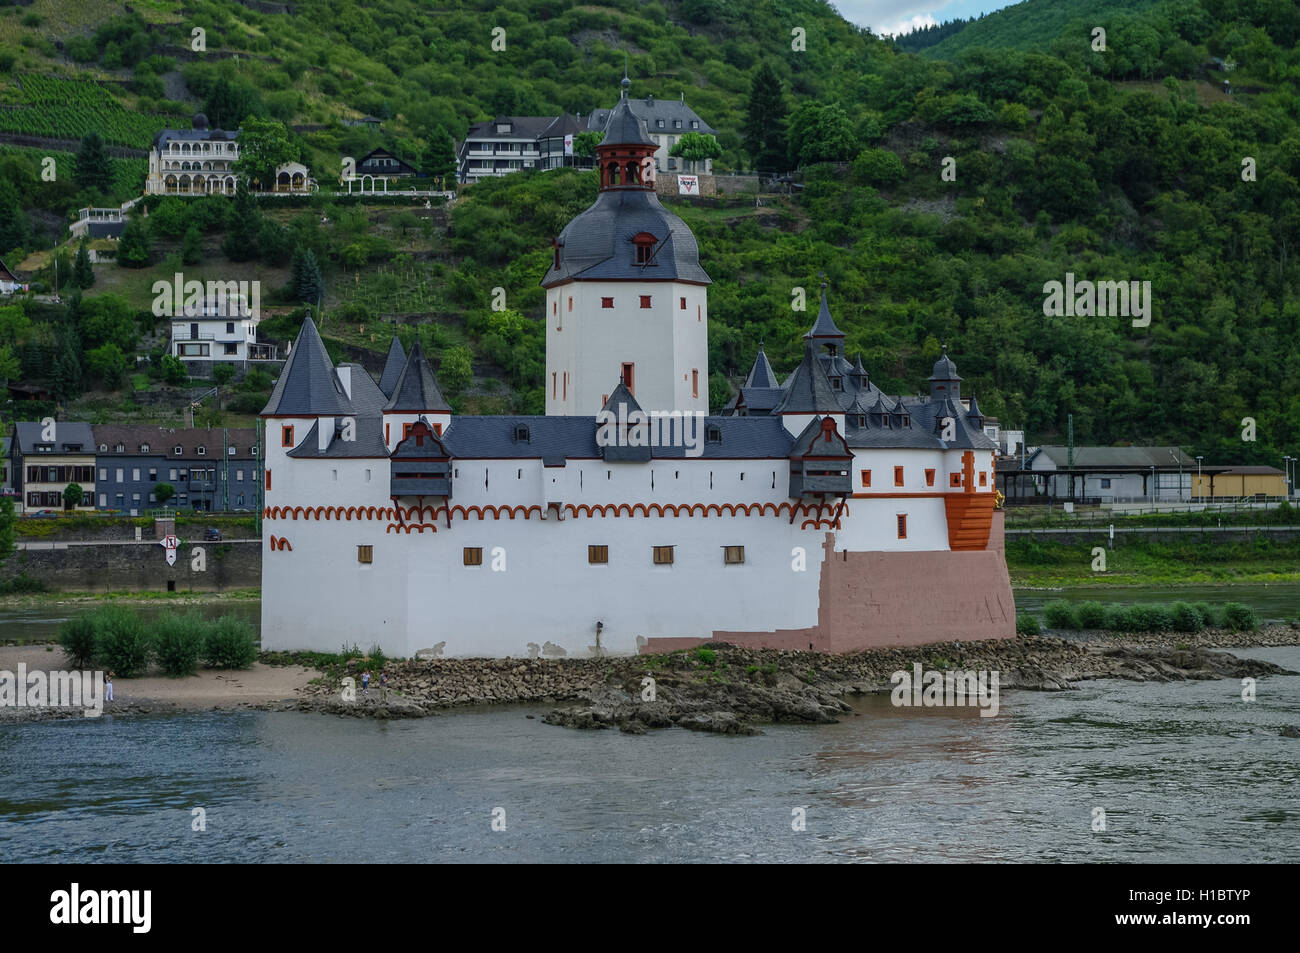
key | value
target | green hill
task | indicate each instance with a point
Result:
(1129, 165)
(1034, 25)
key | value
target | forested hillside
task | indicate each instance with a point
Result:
(1131, 164)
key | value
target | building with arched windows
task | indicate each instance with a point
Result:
(200, 161)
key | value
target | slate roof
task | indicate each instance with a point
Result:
(526, 128)
(944, 368)
(366, 398)
(824, 326)
(66, 434)
(761, 374)
(393, 365)
(416, 388)
(308, 385)
(1122, 457)
(808, 391)
(650, 110)
(162, 442)
(624, 127)
(620, 402)
(597, 243)
(809, 440)
(368, 442)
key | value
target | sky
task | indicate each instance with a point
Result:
(902, 16)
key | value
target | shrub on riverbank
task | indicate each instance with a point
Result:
(1061, 615)
(123, 643)
(1091, 615)
(230, 643)
(1149, 617)
(179, 642)
(1239, 617)
(1027, 624)
(118, 639)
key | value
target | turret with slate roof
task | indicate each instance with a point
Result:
(761, 374)
(393, 365)
(415, 396)
(944, 380)
(308, 385)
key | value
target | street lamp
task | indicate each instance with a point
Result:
(1153, 488)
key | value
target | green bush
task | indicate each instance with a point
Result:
(77, 636)
(1061, 614)
(1186, 618)
(1027, 624)
(230, 643)
(1092, 615)
(1118, 619)
(1152, 618)
(123, 644)
(705, 655)
(1239, 617)
(179, 642)
(1209, 618)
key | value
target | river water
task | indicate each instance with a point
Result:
(1185, 772)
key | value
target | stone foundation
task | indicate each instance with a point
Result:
(874, 600)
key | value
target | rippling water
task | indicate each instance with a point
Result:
(1184, 772)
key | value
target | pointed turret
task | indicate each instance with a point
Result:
(393, 365)
(416, 389)
(859, 375)
(824, 330)
(944, 380)
(308, 385)
(808, 392)
(761, 374)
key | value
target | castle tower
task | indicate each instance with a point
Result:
(626, 298)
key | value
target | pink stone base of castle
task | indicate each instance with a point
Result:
(875, 600)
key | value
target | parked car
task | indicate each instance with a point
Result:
(212, 534)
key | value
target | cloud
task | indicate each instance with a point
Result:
(905, 26)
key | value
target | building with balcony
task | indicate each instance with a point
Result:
(513, 143)
(665, 121)
(201, 161)
(210, 469)
(221, 328)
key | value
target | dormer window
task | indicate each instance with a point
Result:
(120, 448)
(203, 451)
(177, 451)
(103, 448)
(521, 433)
(645, 248)
(712, 433)
(659, 123)
(144, 448)
(695, 124)
(677, 124)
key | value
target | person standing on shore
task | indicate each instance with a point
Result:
(365, 683)
(108, 686)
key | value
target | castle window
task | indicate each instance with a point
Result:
(902, 526)
(521, 433)
(695, 382)
(645, 301)
(929, 478)
(984, 478)
(712, 433)
(365, 555)
(954, 479)
(663, 555)
(570, 302)
(597, 555)
(473, 555)
(629, 372)
(607, 302)
(268, 479)
(898, 476)
(286, 438)
(866, 478)
(733, 555)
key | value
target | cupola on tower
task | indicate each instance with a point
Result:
(626, 298)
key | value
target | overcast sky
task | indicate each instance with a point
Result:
(900, 16)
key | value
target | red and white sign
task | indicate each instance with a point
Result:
(688, 185)
(568, 145)
(170, 542)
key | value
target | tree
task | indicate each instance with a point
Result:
(173, 370)
(72, 495)
(264, 146)
(65, 374)
(228, 103)
(305, 282)
(584, 143)
(440, 157)
(162, 492)
(192, 246)
(91, 168)
(821, 133)
(133, 249)
(696, 147)
(456, 371)
(8, 527)
(108, 363)
(223, 373)
(764, 128)
(241, 241)
(83, 275)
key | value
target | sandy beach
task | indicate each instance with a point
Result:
(210, 688)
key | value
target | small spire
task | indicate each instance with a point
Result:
(627, 83)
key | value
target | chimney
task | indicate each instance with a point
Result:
(324, 432)
(345, 378)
